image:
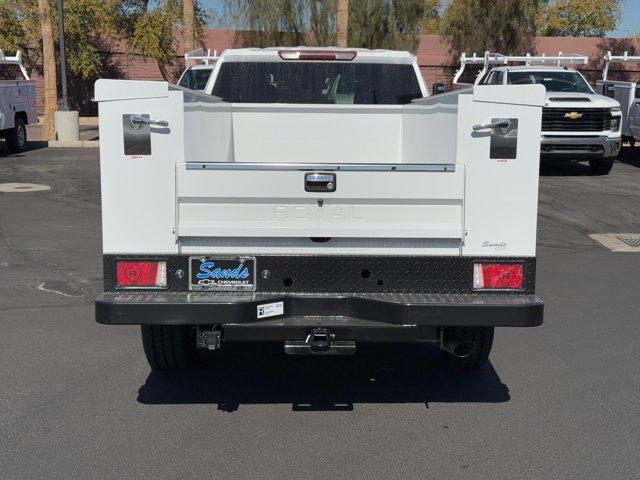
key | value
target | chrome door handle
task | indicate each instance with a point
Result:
(503, 124)
(138, 120)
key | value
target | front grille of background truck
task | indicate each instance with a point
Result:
(593, 120)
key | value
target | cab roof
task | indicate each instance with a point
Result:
(363, 55)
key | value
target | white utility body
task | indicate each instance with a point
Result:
(320, 198)
(577, 123)
(17, 104)
(626, 93)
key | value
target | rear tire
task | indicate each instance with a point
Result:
(17, 137)
(482, 337)
(169, 347)
(600, 167)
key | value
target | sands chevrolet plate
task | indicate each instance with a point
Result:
(222, 274)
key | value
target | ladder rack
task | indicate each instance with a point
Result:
(489, 59)
(609, 59)
(199, 55)
(16, 60)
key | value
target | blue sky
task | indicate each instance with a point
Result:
(629, 25)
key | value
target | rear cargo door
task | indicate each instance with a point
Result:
(297, 200)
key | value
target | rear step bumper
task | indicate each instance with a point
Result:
(363, 317)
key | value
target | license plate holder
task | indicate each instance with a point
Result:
(222, 274)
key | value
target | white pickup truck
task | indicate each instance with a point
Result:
(17, 105)
(625, 93)
(577, 123)
(320, 199)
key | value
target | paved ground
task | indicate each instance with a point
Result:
(87, 132)
(77, 399)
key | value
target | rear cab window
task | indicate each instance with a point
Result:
(195, 79)
(335, 83)
(553, 81)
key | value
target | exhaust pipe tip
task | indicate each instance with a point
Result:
(464, 349)
(457, 346)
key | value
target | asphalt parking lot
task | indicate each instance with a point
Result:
(77, 399)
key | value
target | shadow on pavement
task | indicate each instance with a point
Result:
(550, 168)
(630, 156)
(258, 374)
(4, 151)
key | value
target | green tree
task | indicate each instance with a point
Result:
(267, 23)
(579, 18)
(431, 20)
(372, 23)
(392, 24)
(504, 26)
(149, 28)
(88, 23)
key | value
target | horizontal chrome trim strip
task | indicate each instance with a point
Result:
(348, 167)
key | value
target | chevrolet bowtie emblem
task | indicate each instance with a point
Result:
(573, 115)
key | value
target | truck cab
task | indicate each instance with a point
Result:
(320, 199)
(577, 123)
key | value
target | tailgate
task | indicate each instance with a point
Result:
(375, 201)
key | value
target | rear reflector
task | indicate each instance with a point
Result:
(498, 276)
(344, 56)
(141, 274)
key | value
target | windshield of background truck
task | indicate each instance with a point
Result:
(553, 81)
(317, 83)
(195, 79)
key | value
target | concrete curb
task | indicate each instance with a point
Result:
(74, 143)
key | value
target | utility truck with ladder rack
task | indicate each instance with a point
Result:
(577, 123)
(197, 75)
(17, 103)
(318, 198)
(626, 93)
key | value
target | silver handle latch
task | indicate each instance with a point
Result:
(138, 120)
(320, 182)
(502, 124)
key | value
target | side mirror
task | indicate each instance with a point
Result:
(438, 88)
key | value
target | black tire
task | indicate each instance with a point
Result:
(169, 347)
(600, 167)
(482, 337)
(17, 137)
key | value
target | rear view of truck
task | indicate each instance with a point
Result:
(320, 200)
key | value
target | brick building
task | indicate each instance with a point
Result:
(437, 62)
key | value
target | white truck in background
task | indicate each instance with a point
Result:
(196, 75)
(17, 104)
(318, 198)
(577, 123)
(625, 93)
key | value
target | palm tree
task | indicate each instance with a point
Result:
(188, 21)
(49, 62)
(342, 22)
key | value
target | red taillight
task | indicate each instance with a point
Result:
(338, 55)
(141, 274)
(498, 276)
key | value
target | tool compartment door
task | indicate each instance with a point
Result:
(237, 201)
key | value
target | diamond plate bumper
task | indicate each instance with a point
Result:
(374, 317)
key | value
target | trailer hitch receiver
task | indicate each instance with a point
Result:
(320, 341)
